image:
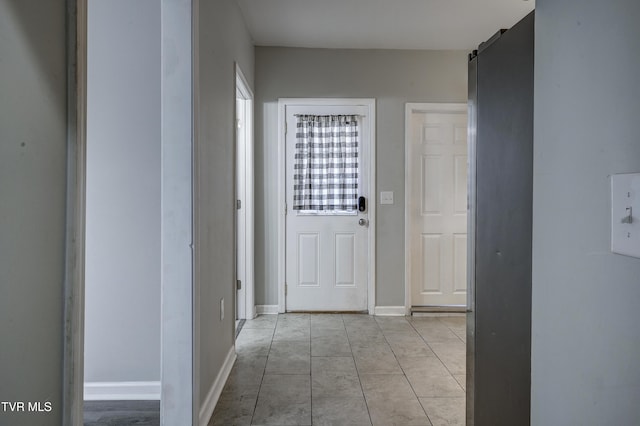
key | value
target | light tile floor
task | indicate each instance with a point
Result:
(325, 369)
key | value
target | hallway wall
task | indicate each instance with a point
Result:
(122, 288)
(585, 338)
(223, 40)
(393, 78)
(33, 149)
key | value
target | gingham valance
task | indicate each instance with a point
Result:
(326, 163)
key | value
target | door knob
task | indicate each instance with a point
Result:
(363, 222)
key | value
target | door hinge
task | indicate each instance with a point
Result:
(238, 204)
(285, 208)
(286, 129)
(286, 289)
(238, 284)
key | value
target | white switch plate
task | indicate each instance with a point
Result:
(625, 214)
(386, 197)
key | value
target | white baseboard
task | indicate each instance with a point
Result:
(209, 404)
(120, 391)
(390, 311)
(253, 312)
(266, 309)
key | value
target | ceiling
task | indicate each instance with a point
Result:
(380, 24)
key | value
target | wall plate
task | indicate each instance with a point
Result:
(625, 214)
(386, 197)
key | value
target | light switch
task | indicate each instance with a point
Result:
(386, 197)
(625, 214)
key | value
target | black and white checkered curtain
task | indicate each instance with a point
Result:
(326, 163)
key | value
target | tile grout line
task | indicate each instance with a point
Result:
(464, 388)
(438, 356)
(402, 369)
(357, 371)
(264, 370)
(451, 330)
(405, 373)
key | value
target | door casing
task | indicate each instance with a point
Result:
(283, 103)
(245, 137)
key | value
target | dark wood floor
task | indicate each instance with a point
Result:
(121, 413)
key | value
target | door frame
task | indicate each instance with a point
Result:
(411, 108)
(283, 104)
(74, 297)
(244, 89)
(179, 318)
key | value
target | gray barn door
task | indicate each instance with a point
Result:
(499, 343)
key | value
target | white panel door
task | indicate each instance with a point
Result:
(438, 208)
(326, 253)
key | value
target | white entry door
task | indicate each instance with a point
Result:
(437, 156)
(326, 251)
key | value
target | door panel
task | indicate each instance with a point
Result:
(431, 185)
(431, 250)
(460, 185)
(460, 263)
(308, 260)
(438, 208)
(326, 252)
(345, 258)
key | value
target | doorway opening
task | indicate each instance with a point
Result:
(122, 247)
(116, 94)
(436, 228)
(245, 305)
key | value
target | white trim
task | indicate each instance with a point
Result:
(281, 225)
(390, 311)
(122, 391)
(370, 103)
(267, 309)
(411, 108)
(244, 88)
(209, 404)
(243, 84)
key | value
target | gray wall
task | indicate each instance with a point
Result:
(122, 300)
(223, 39)
(33, 146)
(585, 338)
(393, 78)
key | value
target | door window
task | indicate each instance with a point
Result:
(325, 180)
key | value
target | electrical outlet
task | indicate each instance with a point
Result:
(221, 309)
